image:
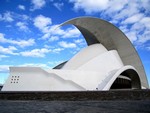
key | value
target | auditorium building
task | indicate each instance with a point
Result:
(108, 62)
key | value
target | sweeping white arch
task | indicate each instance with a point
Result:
(96, 30)
(132, 74)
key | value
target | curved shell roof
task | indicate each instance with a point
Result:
(96, 30)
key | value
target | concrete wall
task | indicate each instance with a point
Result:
(81, 73)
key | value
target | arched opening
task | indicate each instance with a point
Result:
(128, 79)
(122, 82)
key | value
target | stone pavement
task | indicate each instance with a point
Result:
(136, 106)
(118, 101)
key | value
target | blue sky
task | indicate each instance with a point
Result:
(28, 34)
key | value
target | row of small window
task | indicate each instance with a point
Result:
(15, 76)
(13, 82)
(14, 79)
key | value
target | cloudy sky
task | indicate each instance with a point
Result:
(28, 34)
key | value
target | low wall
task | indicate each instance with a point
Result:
(78, 96)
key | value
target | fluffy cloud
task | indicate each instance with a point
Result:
(57, 50)
(71, 32)
(80, 42)
(133, 19)
(55, 31)
(145, 21)
(21, 43)
(21, 7)
(7, 16)
(52, 32)
(36, 52)
(10, 16)
(90, 6)
(53, 38)
(37, 4)
(22, 26)
(9, 50)
(42, 23)
(132, 36)
(67, 44)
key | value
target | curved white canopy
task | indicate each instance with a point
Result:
(96, 30)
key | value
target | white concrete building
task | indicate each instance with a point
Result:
(109, 62)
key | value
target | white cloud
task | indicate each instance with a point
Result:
(127, 9)
(133, 19)
(3, 56)
(53, 38)
(90, 6)
(21, 7)
(9, 50)
(115, 6)
(21, 43)
(46, 36)
(124, 28)
(54, 31)
(54, 49)
(37, 4)
(22, 26)
(132, 36)
(67, 44)
(57, 50)
(145, 5)
(24, 17)
(42, 22)
(58, 5)
(7, 16)
(36, 52)
(78, 41)
(143, 38)
(71, 32)
(2, 39)
(146, 22)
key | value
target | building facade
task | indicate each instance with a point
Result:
(108, 62)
